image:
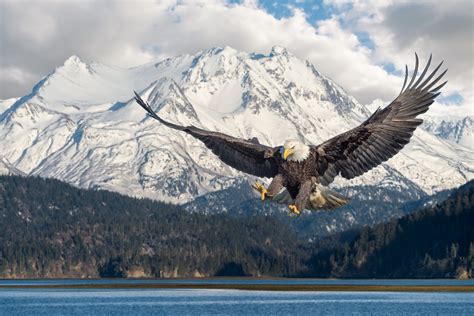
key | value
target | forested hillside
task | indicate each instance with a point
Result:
(51, 229)
(434, 242)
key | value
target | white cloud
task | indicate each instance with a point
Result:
(15, 75)
(444, 28)
(129, 33)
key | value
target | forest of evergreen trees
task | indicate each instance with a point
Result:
(434, 242)
(51, 229)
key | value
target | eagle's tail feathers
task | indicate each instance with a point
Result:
(324, 198)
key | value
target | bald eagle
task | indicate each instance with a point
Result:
(301, 172)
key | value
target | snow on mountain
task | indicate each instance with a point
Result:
(5, 104)
(456, 129)
(81, 125)
(6, 168)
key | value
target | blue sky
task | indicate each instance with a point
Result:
(315, 10)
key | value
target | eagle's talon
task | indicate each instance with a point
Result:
(260, 188)
(294, 209)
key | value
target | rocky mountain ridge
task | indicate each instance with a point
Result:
(80, 125)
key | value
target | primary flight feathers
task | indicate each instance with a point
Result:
(245, 155)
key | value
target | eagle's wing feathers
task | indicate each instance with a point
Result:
(245, 155)
(382, 135)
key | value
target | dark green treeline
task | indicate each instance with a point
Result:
(51, 229)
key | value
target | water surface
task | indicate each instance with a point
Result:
(210, 302)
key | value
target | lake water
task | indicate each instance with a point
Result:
(18, 301)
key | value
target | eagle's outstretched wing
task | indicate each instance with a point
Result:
(245, 155)
(383, 134)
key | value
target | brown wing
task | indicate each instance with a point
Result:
(245, 155)
(382, 135)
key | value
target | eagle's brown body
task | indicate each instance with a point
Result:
(349, 154)
(296, 173)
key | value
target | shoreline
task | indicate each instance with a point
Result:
(210, 278)
(257, 287)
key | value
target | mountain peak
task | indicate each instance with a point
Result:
(74, 65)
(217, 50)
(73, 60)
(228, 49)
(278, 50)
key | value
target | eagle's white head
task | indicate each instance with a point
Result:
(294, 150)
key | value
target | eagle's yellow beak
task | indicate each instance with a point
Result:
(287, 152)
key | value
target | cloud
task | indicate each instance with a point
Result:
(40, 35)
(129, 33)
(399, 28)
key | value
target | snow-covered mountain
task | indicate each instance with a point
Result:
(81, 125)
(456, 129)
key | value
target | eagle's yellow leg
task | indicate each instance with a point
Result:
(260, 188)
(294, 209)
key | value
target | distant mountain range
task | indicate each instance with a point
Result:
(80, 125)
(458, 130)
